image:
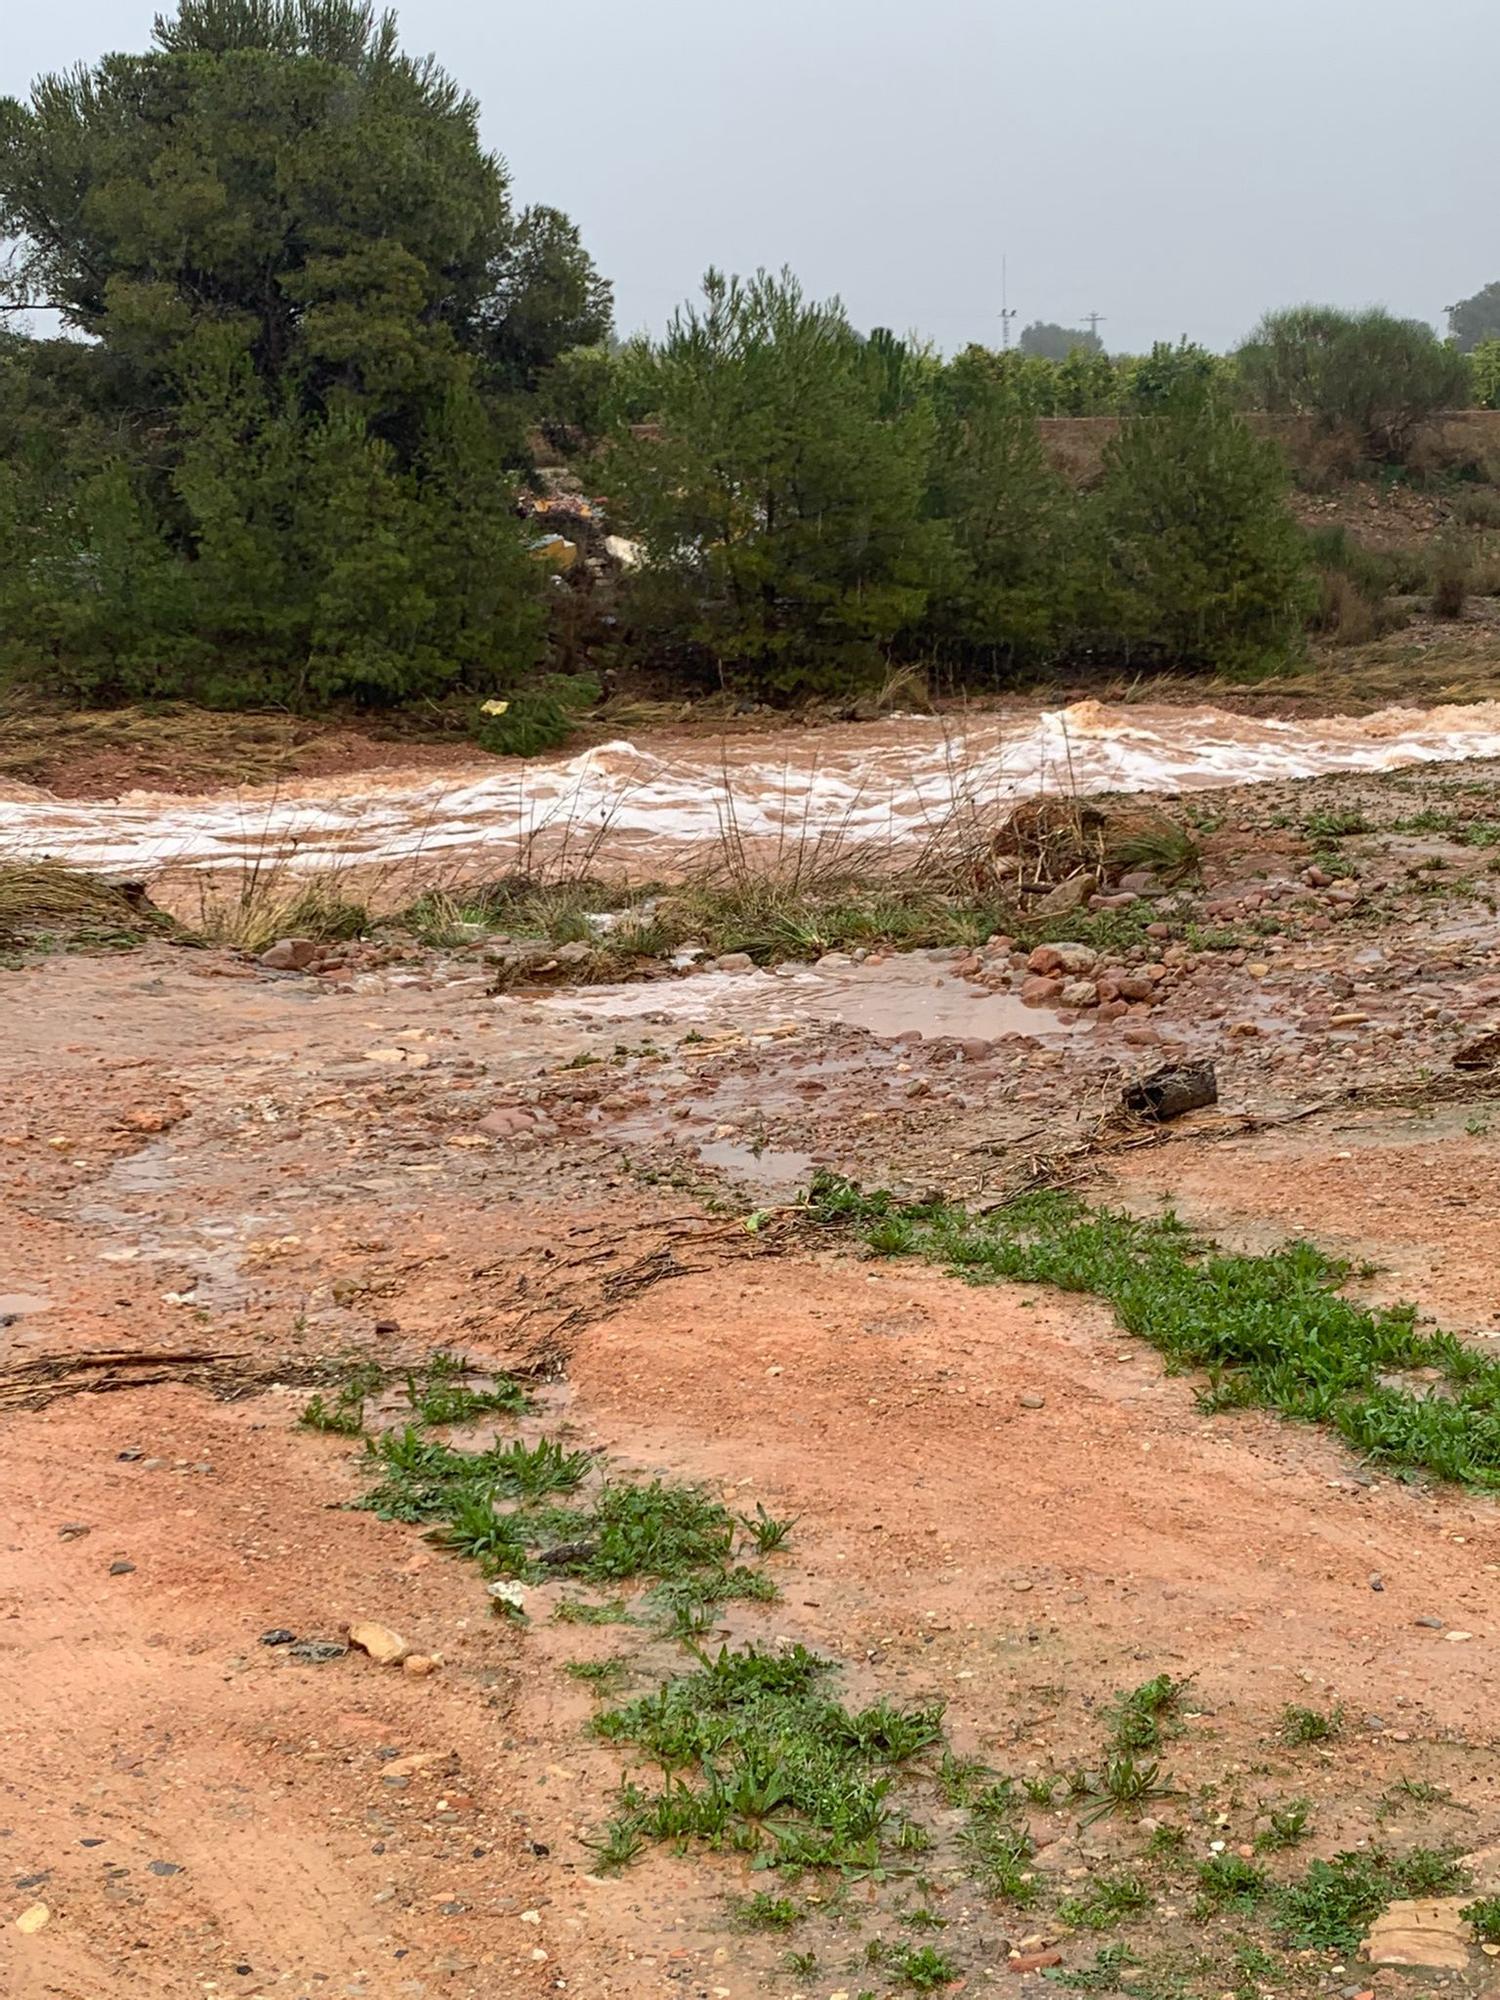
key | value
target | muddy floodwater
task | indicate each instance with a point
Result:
(895, 783)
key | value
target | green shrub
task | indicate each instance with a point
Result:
(534, 720)
(1379, 375)
(1196, 560)
(778, 491)
(1452, 568)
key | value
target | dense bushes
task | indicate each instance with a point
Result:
(1375, 374)
(279, 469)
(318, 345)
(1198, 561)
(778, 491)
(811, 506)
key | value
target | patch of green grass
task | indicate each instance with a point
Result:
(772, 919)
(802, 1963)
(1336, 823)
(1211, 937)
(1229, 1881)
(1124, 1785)
(605, 1677)
(767, 1533)
(344, 1413)
(755, 1755)
(1273, 1331)
(766, 1912)
(1311, 1725)
(344, 1416)
(1418, 1791)
(439, 1394)
(530, 1472)
(924, 1919)
(998, 1847)
(1286, 1825)
(960, 1779)
(472, 1527)
(615, 1848)
(1479, 831)
(1139, 1714)
(1334, 1903)
(1106, 1902)
(922, 1967)
(1484, 1916)
(656, 1529)
(1041, 1790)
(578, 1611)
(1103, 1976)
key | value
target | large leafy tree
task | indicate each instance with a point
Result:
(778, 489)
(300, 280)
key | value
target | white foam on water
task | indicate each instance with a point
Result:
(890, 781)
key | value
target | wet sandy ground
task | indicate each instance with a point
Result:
(1000, 1500)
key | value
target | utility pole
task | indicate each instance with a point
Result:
(1007, 312)
(1092, 321)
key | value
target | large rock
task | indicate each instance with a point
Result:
(1430, 1933)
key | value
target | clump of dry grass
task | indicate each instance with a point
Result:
(1044, 842)
(271, 903)
(47, 898)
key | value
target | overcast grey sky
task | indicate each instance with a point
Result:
(1177, 165)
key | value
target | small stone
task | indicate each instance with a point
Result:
(289, 955)
(418, 1664)
(735, 961)
(1030, 1400)
(1037, 991)
(317, 1652)
(1377, 1581)
(1079, 993)
(1457, 1638)
(1432, 1624)
(129, 1456)
(383, 1645)
(1035, 1961)
(165, 1867)
(122, 1569)
(71, 1530)
(278, 1636)
(30, 1921)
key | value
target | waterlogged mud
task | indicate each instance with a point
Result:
(999, 1499)
(895, 783)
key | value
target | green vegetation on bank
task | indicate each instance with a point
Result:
(320, 343)
(749, 1752)
(1270, 1332)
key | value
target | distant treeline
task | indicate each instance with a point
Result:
(311, 347)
